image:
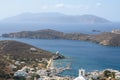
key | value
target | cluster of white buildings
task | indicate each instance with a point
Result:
(48, 73)
(116, 31)
(117, 73)
(43, 73)
(97, 75)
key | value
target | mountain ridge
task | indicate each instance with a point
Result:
(56, 18)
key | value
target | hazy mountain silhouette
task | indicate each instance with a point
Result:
(55, 18)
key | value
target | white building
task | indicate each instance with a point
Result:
(117, 75)
(95, 74)
(41, 72)
(25, 69)
(33, 49)
(81, 75)
(116, 31)
(17, 63)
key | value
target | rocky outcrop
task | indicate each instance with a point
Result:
(58, 56)
(106, 38)
(105, 42)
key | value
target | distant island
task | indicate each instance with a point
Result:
(105, 38)
(55, 18)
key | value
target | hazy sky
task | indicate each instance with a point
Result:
(109, 9)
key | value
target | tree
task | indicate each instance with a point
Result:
(107, 73)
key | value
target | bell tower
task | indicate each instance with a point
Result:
(81, 72)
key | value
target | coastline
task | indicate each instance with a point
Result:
(104, 38)
(78, 51)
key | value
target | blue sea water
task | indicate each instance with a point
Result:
(80, 54)
(82, 28)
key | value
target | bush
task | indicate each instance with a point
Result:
(19, 78)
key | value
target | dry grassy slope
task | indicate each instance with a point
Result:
(3, 66)
(106, 38)
(22, 50)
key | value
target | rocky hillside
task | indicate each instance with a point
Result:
(44, 34)
(40, 34)
(3, 64)
(14, 55)
(19, 50)
(106, 38)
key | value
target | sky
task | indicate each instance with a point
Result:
(108, 9)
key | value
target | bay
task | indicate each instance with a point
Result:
(80, 54)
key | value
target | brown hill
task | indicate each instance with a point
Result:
(40, 34)
(21, 54)
(105, 38)
(19, 50)
(45, 34)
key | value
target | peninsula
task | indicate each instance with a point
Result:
(105, 38)
(21, 61)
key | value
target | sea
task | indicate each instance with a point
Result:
(67, 28)
(79, 54)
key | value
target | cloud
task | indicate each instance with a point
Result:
(60, 5)
(98, 4)
(78, 7)
(45, 7)
(56, 6)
